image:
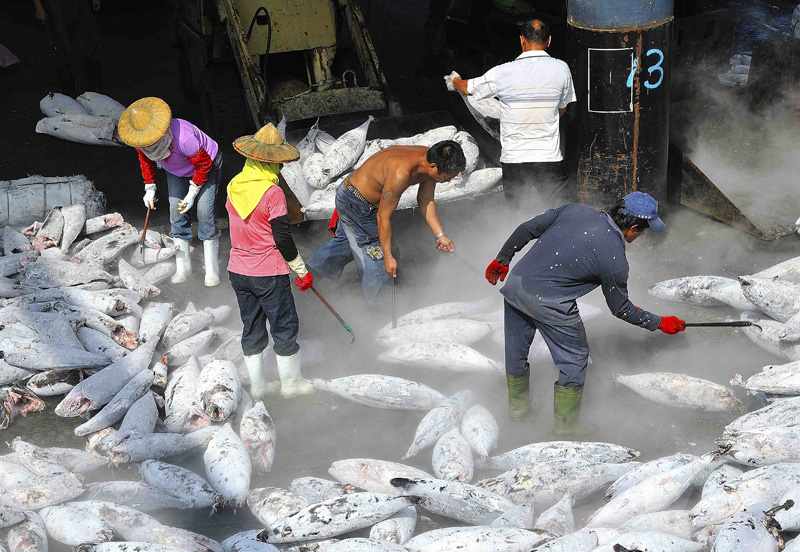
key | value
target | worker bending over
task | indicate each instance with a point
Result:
(365, 202)
(192, 161)
(534, 91)
(577, 249)
(262, 252)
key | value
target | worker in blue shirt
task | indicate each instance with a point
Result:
(577, 249)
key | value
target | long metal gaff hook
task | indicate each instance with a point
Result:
(334, 313)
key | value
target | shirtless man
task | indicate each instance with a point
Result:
(365, 202)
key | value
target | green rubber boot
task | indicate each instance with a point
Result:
(518, 390)
(567, 409)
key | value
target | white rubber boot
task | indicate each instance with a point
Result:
(292, 383)
(211, 258)
(183, 262)
(259, 386)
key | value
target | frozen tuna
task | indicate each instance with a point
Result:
(270, 505)
(440, 356)
(101, 105)
(257, 431)
(463, 331)
(480, 430)
(682, 391)
(184, 413)
(373, 475)
(459, 501)
(559, 450)
(439, 421)
(759, 447)
(545, 483)
(336, 516)
(654, 494)
(180, 483)
(81, 128)
(382, 391)
(72, 526)
(219, 389)
(397, 529)
(452, 458)
(345, 151)
(228, 466)
(54, 104)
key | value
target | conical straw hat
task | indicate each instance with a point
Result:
(144, 122)
(267, 145)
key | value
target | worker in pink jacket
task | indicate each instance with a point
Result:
(193, 165)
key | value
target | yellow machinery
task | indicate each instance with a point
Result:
(282, 57)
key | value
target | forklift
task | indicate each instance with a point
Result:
(251, 62)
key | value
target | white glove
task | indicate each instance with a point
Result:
(298, 266)
(186, 203)
(448, 81)
(150, 195)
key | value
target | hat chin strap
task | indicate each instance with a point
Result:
(160, 150)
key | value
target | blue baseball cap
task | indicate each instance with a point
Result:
(643, 206)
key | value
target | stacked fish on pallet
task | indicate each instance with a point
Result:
(325, 162)
(90, 119)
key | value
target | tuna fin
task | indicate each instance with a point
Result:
(400, 482)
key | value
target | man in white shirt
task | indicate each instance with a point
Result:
(534, 91)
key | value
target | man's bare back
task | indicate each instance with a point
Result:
(396, 166)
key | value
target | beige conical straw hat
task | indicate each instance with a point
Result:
(144, 122)
(267, 145)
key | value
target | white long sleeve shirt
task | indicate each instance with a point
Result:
(531, 89)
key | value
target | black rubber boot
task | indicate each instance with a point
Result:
(66, 80)
(93, 74)
(567, 409)
(518, 391)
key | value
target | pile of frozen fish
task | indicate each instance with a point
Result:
(90, 119)
(326, 161)
(154, 387)
(739, 71)
(770, 299)
(440, 337)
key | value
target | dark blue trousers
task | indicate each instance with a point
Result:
(263, 298)
(568, 346)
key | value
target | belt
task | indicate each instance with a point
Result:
(353, 190)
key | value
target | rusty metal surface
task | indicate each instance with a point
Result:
(255, 90)
(619, 124)
(698, 192)
(618, 15)
(701, 47)
(329, 102)
(367, 55)
(297, 25)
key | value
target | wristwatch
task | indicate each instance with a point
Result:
(439, 235)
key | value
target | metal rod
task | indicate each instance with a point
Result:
(731, 324)
(394, 311)
(144, 230)
(334, 313)
(469, 265)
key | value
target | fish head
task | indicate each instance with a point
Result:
(25, 401)
(666, 290)
(73, 406)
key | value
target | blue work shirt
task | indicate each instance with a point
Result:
(577, 249)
